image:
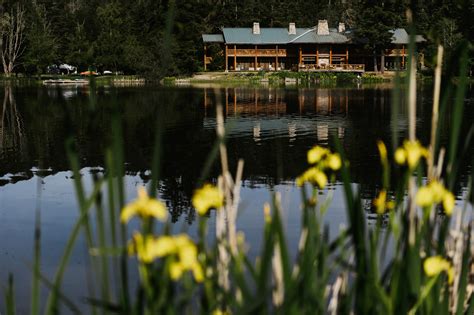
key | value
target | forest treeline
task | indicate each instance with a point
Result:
(163, 37)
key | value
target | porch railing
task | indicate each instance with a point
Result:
(259, 53)
(333, 67)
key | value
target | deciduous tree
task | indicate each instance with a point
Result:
(12, 27)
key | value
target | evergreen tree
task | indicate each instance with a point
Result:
(41, 47)
(373, 27)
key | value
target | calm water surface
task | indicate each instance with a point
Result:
(271, 129)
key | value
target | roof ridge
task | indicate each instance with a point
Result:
(301, 35)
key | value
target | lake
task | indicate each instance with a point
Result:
(270, 128)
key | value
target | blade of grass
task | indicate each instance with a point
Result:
(51, 306)
(61, 297)
(357, 227)
(458, 112)
(10, 296)
(395, 110)
(35, 290)
(119, 173)
(111, 197)
(79, 188)
(81, 198)
(105, 290)
(463, 282)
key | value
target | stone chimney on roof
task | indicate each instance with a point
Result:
(292, 29)
(323, 27)
(256, 28)
(341, 28)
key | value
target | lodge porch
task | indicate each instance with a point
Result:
(323, 58)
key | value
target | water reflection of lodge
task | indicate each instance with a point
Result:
(277, 112)
(245, 101)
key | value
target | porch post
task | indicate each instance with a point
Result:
(403, 56)
(205, 57)
(347, 55)
(301, 58)
(235, 57)
(276, 59)
(226, 61)
(255, 57)
(330, 54)
(317, 55)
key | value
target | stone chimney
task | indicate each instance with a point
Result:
(341, 28)
(256, 28)
(292, 29)
(323, 27)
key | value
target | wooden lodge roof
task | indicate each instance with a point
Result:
(280, 36)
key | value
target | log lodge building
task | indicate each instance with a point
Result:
(302, 49)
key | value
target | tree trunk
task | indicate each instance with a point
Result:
(375, 62)
(382, 60)
(12, 38)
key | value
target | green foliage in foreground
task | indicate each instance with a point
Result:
(415, 260)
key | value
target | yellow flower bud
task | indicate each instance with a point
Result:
(380, 201)
(382, 150)
(400, 156)
(266, 213)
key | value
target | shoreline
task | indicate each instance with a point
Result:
(282, 78)
(126, 80)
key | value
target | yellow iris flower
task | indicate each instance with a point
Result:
(182, 249)
(142, 247)
(313, 176)
(144, 207)
(206, 198)
(334, 161)
(424, 197)
(316, 154)
(410, 154)
(321, 159)
(448, 203)
(436, 264)
(435, 193)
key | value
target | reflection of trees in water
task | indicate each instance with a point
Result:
(11, 124)
(177, 199)
(13, 138)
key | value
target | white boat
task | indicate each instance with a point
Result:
(65, 82)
